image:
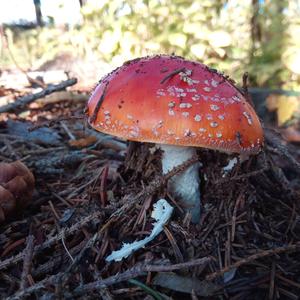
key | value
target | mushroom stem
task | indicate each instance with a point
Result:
(186, 185)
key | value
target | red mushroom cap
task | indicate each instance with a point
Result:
(169, 100)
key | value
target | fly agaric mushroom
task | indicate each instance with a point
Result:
(179, 105)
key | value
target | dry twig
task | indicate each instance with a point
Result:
(21, 103)
(65, 232)
(136, 271)
(261, 254)
(27, 262)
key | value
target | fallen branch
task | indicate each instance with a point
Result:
(76, 261)
(51, 241)
(261, 254)
(21, 103)
(242, 176)
(128, 201)
(151, 189)
(27, 262)
(136, 271)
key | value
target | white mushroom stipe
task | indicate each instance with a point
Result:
(186, 185)
(161, 213)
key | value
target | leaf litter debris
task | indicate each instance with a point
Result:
(92, 196)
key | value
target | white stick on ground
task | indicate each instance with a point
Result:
(161, 213)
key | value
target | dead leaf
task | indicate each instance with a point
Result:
(47, 136)
(229, 275)
(84, 142)
(286, 107)
(182, 284)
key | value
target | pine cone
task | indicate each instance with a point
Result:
(16, 188)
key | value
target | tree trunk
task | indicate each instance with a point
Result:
(38, 13)
(82, 2)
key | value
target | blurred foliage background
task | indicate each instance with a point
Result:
(258, 36)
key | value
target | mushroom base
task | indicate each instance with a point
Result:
(185, 186)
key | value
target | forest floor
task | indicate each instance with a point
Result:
(92, 195)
